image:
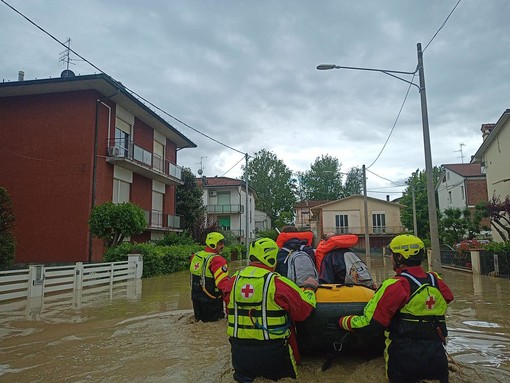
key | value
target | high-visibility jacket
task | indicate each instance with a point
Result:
(423, 316)
(261, 304)
(205, 279)
(252, 310)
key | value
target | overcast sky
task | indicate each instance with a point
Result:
(244, 73)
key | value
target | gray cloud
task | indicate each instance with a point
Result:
(244, 73)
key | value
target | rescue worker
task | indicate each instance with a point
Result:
(411, 308)
(209, 277)
(261, 308)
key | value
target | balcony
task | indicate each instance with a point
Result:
(160, 221)
(225, 209)
(133, 157)
(360, 230)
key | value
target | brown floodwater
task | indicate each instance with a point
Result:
(145, 332)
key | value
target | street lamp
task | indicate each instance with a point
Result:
(431, 197)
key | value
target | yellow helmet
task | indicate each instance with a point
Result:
(213, 238)
(265, 250)
(407, 245)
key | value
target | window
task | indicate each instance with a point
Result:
(121, 190)
(342, 223)
(157, 209)
(224, 223)
(122, 136)
(379, 223)
(159, 157)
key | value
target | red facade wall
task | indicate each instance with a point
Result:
(476, 191)
(46, 166)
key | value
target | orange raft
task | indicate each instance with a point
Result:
(320, 331)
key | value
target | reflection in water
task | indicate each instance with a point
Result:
(149, 335)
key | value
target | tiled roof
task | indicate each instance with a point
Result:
(465, 170)
(307, 203)
(220, 181)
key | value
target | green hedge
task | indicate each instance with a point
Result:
(160, 260)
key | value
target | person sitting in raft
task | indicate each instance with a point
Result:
(338, 264)
(296, 258)
(262, 307)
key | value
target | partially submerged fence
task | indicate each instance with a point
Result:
(30, 287)
(478, 262)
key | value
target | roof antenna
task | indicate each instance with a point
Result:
(65, 58)
(201, 170)
(460, 150)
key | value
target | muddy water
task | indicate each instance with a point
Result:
(146, 333)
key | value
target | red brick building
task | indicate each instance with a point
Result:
(71, 143)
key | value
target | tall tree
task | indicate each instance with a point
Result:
(189, 203)
(275, 187)
(323, 182)
(418, 182)
(353, 182)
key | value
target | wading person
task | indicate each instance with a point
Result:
(209, 277)
(411, 308)
(261, 308)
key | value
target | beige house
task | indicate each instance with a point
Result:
(494, 158)
(347, 215)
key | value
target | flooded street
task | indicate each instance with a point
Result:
(146, 333)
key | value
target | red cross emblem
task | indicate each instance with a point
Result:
(247, 290)
(430, 302)
(196, 266)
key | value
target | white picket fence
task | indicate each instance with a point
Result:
(31, 288)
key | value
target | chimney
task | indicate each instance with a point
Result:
(486, 130)
(21, 75)
(387, 198)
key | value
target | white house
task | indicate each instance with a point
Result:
(225, 202)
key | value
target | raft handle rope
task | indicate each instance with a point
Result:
(202, 280)
(337, 346)
(276, 331)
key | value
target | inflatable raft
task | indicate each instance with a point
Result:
(320, 331)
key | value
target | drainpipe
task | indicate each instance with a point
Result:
(94, 171)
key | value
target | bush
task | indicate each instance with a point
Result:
(172, 239)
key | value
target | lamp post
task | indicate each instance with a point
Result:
(431, 197)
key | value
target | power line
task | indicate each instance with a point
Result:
(386, 179)
(442, 25)
(119, 85)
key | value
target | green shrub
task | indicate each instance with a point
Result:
(498, 247)
(173, 239)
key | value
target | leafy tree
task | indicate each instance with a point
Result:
(189, 203)
(275, 187)
(456, 225)
(499, 213)
(418, 182)
(353, 182)
(7, 241)
(114, 222)
(323, 182)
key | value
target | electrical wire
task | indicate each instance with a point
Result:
(232, 166)
(118, 83)
(407, 93)
(442, 25)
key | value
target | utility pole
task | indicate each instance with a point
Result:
(247, 209)
(431, 192)
(365, 208)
